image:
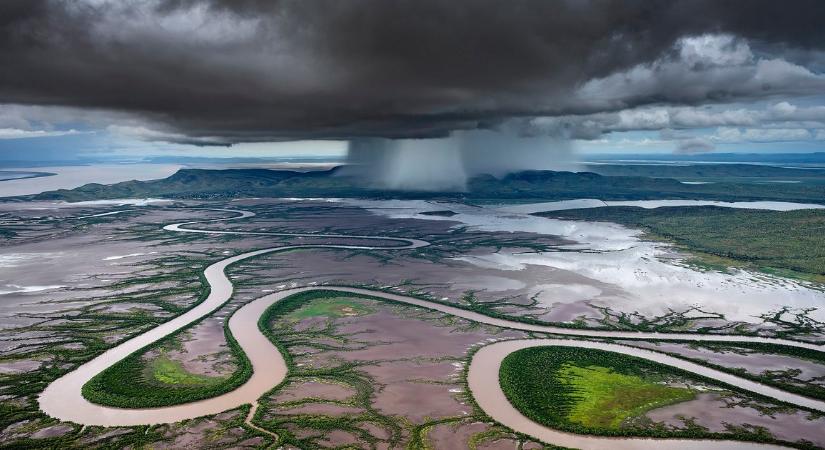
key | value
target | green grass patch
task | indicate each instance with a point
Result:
(331, 307)
(135, 383)
(605, 398)
(168, 371)
(590, 391)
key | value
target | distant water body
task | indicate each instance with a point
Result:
(6, 175)
(531, 208)
(70, 177)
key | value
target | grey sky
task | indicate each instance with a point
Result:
(215, 72)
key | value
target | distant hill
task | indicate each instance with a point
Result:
(707, 171)
(777, 159)
(528, 186)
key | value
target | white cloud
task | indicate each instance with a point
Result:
(687, 117)
(781, 121)
(196, 23)
(648, 118)
(735, 135)
(144, 133)
(789, 112)
(16, 133)
(708, 68)
(714, 50)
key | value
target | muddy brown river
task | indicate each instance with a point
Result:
(63, 400)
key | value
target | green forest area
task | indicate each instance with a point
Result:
(786, 243)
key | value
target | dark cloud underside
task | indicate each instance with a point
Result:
(246, 70)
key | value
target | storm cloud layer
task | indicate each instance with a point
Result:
(221, 72)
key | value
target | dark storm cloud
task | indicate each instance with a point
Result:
(694, 145)
(246, 70)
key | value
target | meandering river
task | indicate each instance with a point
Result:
(63, 400)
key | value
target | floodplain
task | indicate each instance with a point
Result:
(365, 371)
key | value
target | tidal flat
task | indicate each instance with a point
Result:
(115, 273)
(650, 279)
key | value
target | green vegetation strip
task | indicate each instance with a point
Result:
(330, 304)
(585, 391)
(131, 384)
(810, 389)
(604, 398)
(125, 384)
(135, 382)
